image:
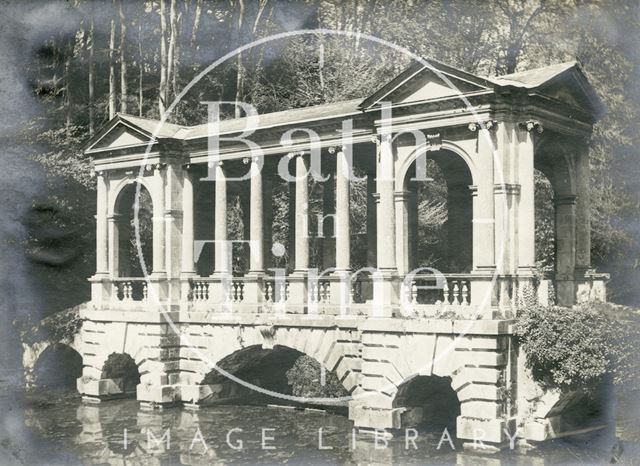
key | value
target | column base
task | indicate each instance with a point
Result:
(296, 303)
(101, 288)
(340, 290)
(386, 293)
(253, 293)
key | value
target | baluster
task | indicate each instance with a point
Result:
(268, 292)
(202, 291)
(445, 292)
(283, 292)
(241, 291)
(456, 293)
(465, 294)
(115, 291)
(234, 291)
(414, 292)
(145, 290)
(325, 292)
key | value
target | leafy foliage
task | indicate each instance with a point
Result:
(575, 348)
(62, 325)
(305, 380)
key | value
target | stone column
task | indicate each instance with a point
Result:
(414, 226)
(188, 265)
(158, 222)
(114, 244)
(253, 284)
(583, 210)
(100, 286)
(526, 205)
(102, 264)
(402, 231)
(483, 207)
(340, 289)
(565, 225)
(256, 220)
(386, 214)
(342, 227)
(298, 280)
(371, 220)
(385, 291)
(222, 271)
(267, 189)
(302, 215)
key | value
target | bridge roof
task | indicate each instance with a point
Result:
(565, 83)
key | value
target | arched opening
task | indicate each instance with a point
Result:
(128, 258)
(122, 369)
(281, 370)
(545, 225)
(58, 366)
(431, 404)
(556, 218)
(440, 213)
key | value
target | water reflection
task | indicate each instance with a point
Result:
(119, 432)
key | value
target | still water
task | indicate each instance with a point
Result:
(119, 432)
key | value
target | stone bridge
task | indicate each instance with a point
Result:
(359, 295)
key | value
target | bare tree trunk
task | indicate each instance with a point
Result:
(240, 72)
(196, 22)
(123, 63)
(67, 87)
(321, 66)
(173, 48)
(140, 66)
(162, 97)
(92, 110)
(112, 71)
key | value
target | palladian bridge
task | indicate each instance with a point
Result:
(355, 295)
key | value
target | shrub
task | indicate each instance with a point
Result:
(575, 348)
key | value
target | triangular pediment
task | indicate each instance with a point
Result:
(118, 133)
(422, 83)
(122, 136)
(573, 89)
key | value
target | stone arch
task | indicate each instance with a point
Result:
(428, 400)
(115, 191)
(455, 247)
(554, 160)
(447, 146)
(319, 343)
(126, 260)
(53, 364)
(123, 371)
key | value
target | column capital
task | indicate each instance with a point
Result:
(487, 124)
(531, 125)
(156, 166)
